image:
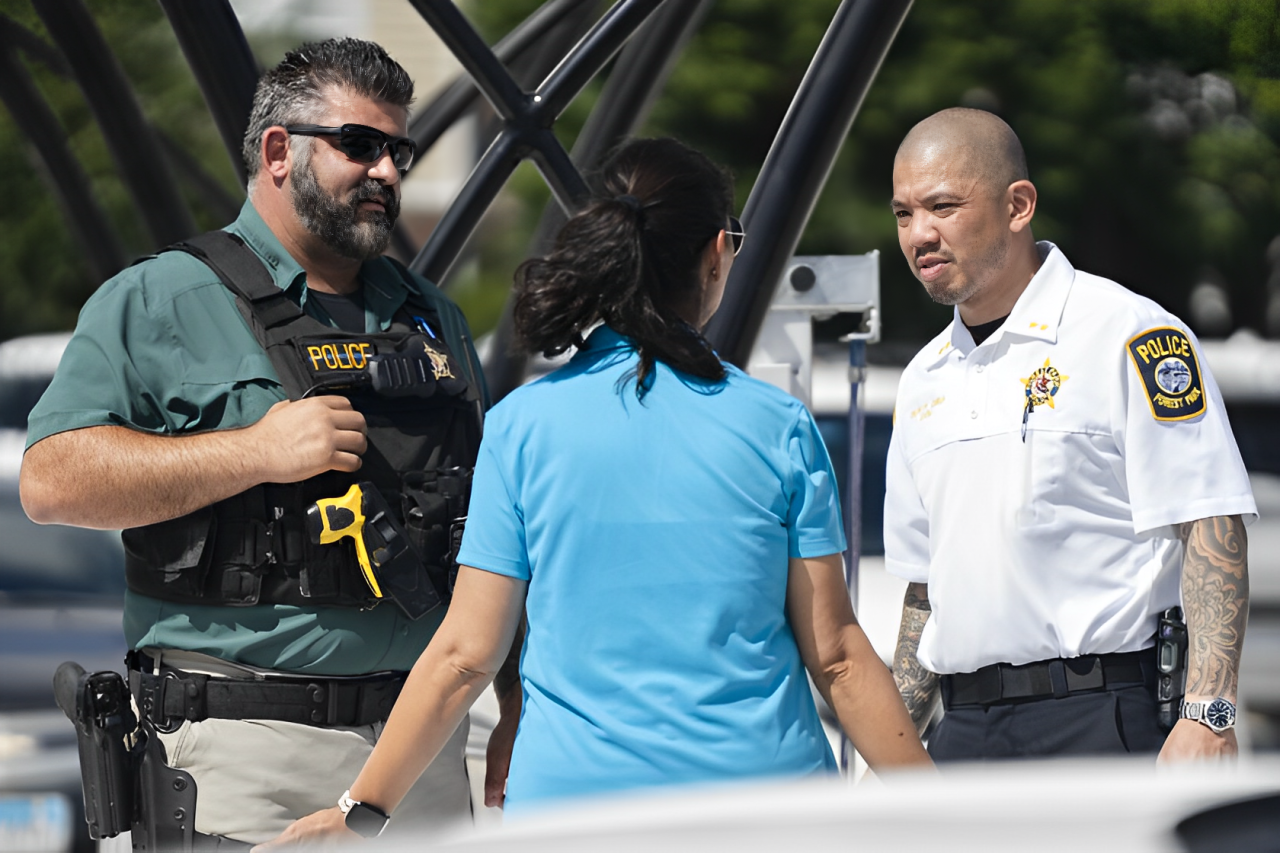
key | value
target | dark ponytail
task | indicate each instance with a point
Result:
(632, 258)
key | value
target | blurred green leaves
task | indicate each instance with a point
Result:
(43, 277)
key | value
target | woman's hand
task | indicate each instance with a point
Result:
(498, 760)
(324, 830)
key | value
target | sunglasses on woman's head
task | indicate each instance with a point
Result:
(736, 234)
(362, 143)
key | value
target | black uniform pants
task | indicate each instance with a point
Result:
(1114, 722)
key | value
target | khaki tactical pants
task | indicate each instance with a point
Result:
(254, 777)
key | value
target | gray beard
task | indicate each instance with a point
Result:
(353, 233)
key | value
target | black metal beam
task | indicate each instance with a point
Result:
(582, 63)
(190, 171)
(532, 67)
(640, 73)
(528, 115)
(635, 81)
(628, 95)
(502, 92)
(799, 162)
(568, 188)
(48, 142)
(129, 137)
(225, 70)
(35, 48)
(461, 95)
(482, 187)
(527, 119)
(205, 186)
(535, 63)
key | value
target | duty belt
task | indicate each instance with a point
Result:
(173, 696)
(1004, 683)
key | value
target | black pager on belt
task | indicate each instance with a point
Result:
(98, 704)
(1171, 666)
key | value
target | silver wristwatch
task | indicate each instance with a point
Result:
(1218, 714)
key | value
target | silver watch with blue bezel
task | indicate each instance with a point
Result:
(1218, 714)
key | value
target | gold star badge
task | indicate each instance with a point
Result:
(1043, 385)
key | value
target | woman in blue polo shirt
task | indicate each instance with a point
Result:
(670, 525)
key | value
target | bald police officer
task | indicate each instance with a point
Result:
(1061, 471)
(207, 398)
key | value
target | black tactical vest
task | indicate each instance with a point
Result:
(424, 422)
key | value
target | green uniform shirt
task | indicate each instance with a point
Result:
(162, 348)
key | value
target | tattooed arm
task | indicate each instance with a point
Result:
(1215, 596)
(918, 686)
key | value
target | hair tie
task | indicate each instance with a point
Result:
(631, 203)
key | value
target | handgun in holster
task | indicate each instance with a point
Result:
(1171, 666)
(391, 567)
(98, 704)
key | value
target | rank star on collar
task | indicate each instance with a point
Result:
(1043, 385)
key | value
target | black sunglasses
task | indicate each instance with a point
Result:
(736, 234)
(364, 144)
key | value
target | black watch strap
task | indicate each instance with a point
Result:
(364, 819)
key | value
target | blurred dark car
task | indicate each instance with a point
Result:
(61, 596)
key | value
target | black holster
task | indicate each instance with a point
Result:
(166, 817)
(98, 705)
(127, 784)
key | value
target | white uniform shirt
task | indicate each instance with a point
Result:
(1063, 543)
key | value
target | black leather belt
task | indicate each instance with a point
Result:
(175, 695)
(1005, 683)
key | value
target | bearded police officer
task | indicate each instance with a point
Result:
(213, 394)
(1061, 469)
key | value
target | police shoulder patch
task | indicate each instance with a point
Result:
(1170, 372)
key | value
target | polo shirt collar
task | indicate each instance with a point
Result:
(1036, 315)
(284, 270)
(383, 289)
(604, 339)
(1038, 311)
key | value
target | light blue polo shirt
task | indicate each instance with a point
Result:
(655, 537)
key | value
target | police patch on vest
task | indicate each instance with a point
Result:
(1170, 372)
(341, 355)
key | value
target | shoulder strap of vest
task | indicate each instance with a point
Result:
(272, 316)
(244, 274)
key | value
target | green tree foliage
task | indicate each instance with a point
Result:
(43, 276)
(1149, 127)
